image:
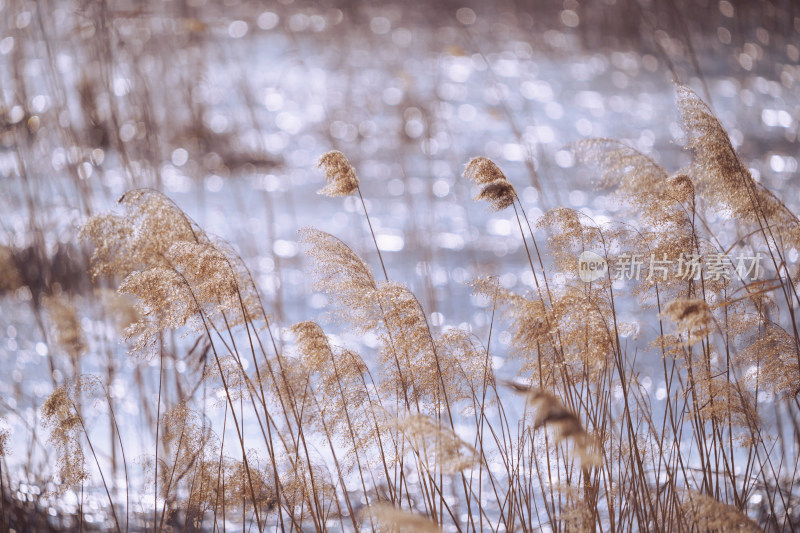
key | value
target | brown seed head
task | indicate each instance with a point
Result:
(312, 343)
(10, 278)
(343, 275)
(551, 413)
(4, 436)
(67, 325)
(692, 315)
(499, 194)
(483, 170)
(62, 418)
(437, 445)
(494, 186)
(339, 173)
(682, 187)
(722, 177)
(708, 514)
(397, 520)
(3, 443)
(772, 350)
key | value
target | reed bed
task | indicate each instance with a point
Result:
(419, 432)
(646, 380)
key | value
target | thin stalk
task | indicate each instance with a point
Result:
(372, 232)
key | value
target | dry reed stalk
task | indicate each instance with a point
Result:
(608, 454)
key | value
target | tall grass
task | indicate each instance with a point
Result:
(420, 432)
(665, 401)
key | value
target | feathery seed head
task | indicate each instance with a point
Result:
(112, 236)
(708, 514)
(302, 481)
(692, 315)
(682, 187)
(312, 343)
(343, 275)
(437, 445)
(409, 350)
(622, 166)
(61, 416)
(339, 173)
(494, 186)
(499, 194)
(66, 322)
(208, 272)
(230, 379)
(189, 441)
(10, 278)
(394, 520)
(141, 237)
(483, 170)
(772, 350)
(663, 204)
(572, 232)
(163, 301)
(4, 436)
(341, 395)
(551, 413)
(722, 177)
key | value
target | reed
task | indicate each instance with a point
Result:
(239, 419)
(420, 433)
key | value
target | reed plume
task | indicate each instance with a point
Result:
(5, 435)
(191, 448)
(340, 385)
(710, 514)
(664, 205)
(245, 483)
(339, 173)
(10, 277)
(69, 333)
(164, 301)
(341, 274)
(141, 237)
(439, 447)
(60, 415)
(692, 316)
(551, 414)
(394, 520)
(342, 181)
(493, 185)
(721, 175)
(571, 232)
(770, 353)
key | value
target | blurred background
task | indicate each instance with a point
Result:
(226, 105)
